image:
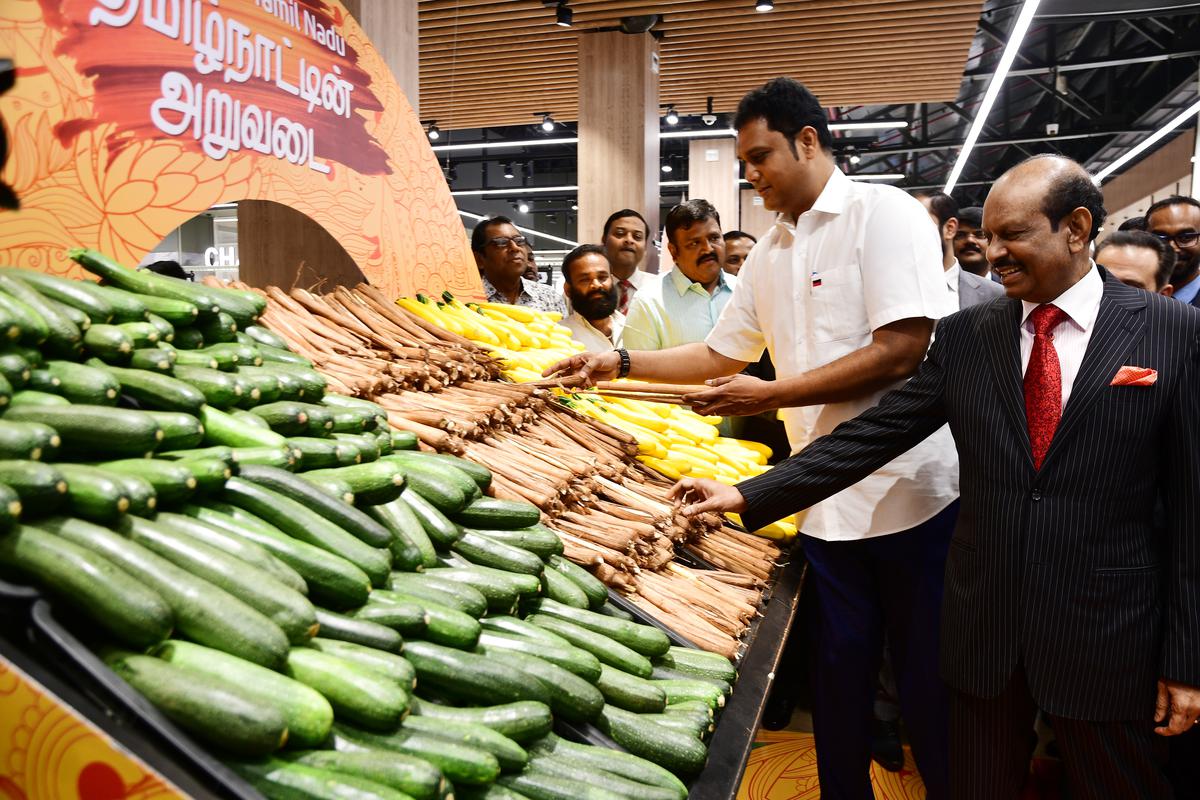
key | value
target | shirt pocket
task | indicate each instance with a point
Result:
(839, 305)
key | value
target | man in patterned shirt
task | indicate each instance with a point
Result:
(500, 253)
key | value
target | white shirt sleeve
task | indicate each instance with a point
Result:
(738, 333)
(902, 263)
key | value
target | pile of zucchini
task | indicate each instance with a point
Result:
(335, 612)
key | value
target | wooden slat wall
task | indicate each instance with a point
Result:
(497, 62)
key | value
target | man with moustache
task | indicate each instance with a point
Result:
(970, 242)
(843, 292)
(499, 250)
(1175, 221)
(1074, 412)
(967, 288)
(625, 237)
(589, 285)
(682, 306)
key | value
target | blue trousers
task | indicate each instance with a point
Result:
(865, 589)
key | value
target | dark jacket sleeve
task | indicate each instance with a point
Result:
(856, 448)
(1181, 639)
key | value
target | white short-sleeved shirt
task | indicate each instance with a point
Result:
(812, 292)
(596, 342)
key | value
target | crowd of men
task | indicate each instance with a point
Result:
(994, 428)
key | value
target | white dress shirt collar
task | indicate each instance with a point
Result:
(831, 200)
(952, 272)
(1081, 301)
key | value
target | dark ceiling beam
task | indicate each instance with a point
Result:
(1143, 33)
(1080, 66)
(934, 147)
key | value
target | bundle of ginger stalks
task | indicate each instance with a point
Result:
(611, 511)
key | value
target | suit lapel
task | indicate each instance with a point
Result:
(1118, 326)
(1001, 334)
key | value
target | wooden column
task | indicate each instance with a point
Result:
(713, 176)
(756, 220)
(618, 131)
(391, 26)
(279, 246)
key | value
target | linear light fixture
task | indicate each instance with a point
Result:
(442, 148)
(1020, 28)
(551, 237)
(514, 191)
(870, 125)
(1182, 117)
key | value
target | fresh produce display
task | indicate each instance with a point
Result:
(275, 564)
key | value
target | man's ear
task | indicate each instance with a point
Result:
(478, 259)
(808, 142)
(674, 251)
(950, 229)
(1167, 290)
(1079, 230)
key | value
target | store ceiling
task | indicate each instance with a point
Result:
(489, 63)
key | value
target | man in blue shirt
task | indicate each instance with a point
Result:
(1176, 221)
(682, 306)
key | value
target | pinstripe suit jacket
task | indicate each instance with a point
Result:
(1059, 570)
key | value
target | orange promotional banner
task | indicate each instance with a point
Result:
(129, 117)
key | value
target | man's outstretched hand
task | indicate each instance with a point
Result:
(699, 495)
(736, 395)
(591, 367)
(1178, 708)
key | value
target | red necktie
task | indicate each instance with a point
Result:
(627, 290)
(1043, 382)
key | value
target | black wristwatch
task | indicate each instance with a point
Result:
(624, 354)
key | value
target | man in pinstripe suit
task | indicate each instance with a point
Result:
(1074, 403)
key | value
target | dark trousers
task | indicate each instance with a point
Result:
(866, 589)
(989, 751)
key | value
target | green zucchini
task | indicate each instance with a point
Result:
(383, 440)
(368, 447)
(645, 639)
(438, 470)
(265, 336)
(459, 596)
(109, 343)
(461, 764)
(15, 369)
(274, 355)
(94, 494)
(230, 355)
(415, 777)
(597, 592)
(142, 498)
(630, 692)
(406, 531)
(188, 339)
(142, 282)
(21, 323)
(262, 388)
(405, 618)
(41, 487)
(43, 380)
(608, 650)
(443, 624)
(181, 431)
(95, 429)
(134, 614)
(341, 514)
(221, 428)
(284, 606)
(698, 663)
(10, 507)
(192, 358)
(358, 695)
(176, 312)
(237, 546)
(359, 631)
(216, 328)
(521, 629)
(293, 389)
(157, 391)
(28, 440)
(269, 456)
(172, 482)
(487, 580)
(537, 539)
(316, 453)
(691, 726)
(83, 384)
(289, 419)
(332, 581)
(219, 389)
(682, 754)
(559, 767)
(444, 495)
(561, 589)
(383, 662)
(247, 417)
(331, 486)
(232, 717)
(351, 420)
(405, 440)
(521, 721)
(680, 690)
(126, 307)
(492, 792)
(487, 552)
(72, 293)
(611, 761)
(284, 780)
(510, 755)
(537, 785)
(377, 478)
(166, 331)
(223, 453)
(308, 715)
(81, 320)
(142, 334)
(481, 475)
(470, 677)
(29, 397)
(442, 532)
(488, 512)
(571, 697)
(153, 359)
(568, 657)
(63, 336)
(609, 610)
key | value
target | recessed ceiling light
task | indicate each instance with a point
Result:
(563, 16)
(508, 171)
(433, 133)
(672, 117)
(764, 5)
(547, 123)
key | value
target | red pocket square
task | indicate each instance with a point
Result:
(1135, 376)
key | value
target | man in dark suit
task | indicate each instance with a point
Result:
(1074, 405)
(1175, 221)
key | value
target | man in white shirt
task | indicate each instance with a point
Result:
(843, 291)
(625, 237)
(589, 285)
(1073, 407)
(967, 288)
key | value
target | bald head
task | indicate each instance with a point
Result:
(1040, 217)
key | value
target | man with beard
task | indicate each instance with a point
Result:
(1175, 221)
(625, 236)
(590, 287)
(499, 250)
(970, 243)
(682, 306)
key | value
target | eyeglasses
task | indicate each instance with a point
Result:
(965, 233)
(1185, 239)
(505, 241)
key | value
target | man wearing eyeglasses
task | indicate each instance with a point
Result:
(1175, 221)
(970, 243)
(500, 253)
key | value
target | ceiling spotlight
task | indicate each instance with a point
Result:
(523, 207)
(666, 167)
(547, 123)
(433, 133)
(563, 15)
(574, 206)
(854, 157)
(764, 5)
(672, 117)
(508, 171)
